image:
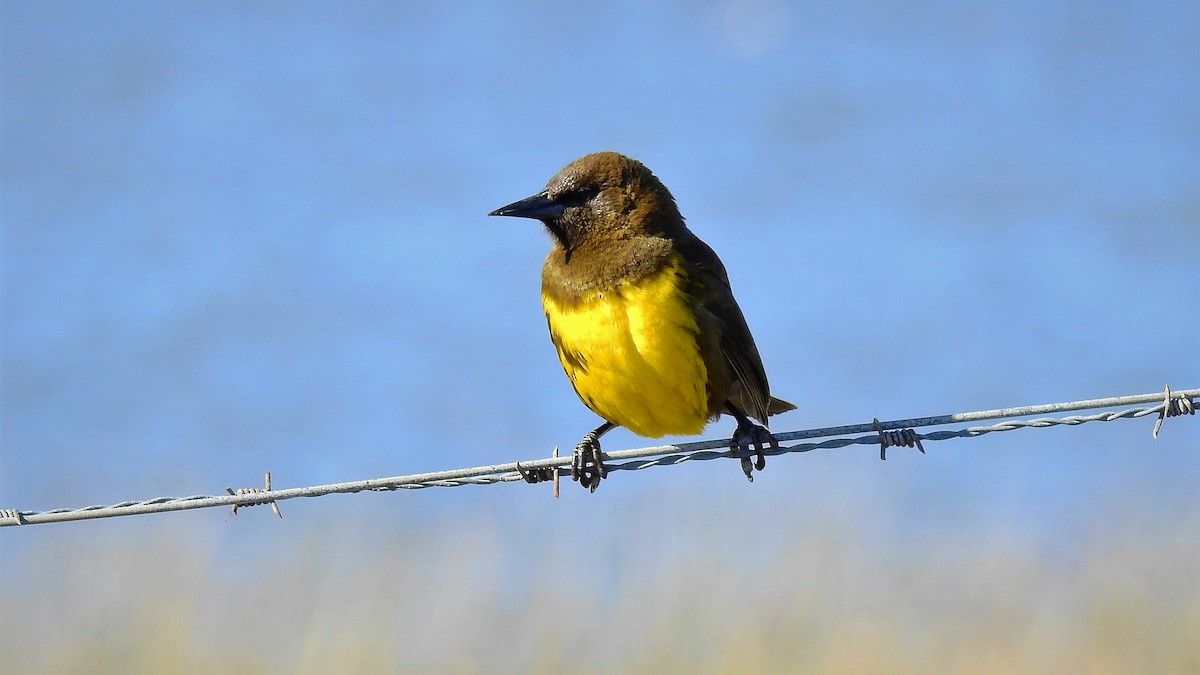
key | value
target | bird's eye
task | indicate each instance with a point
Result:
(576, 197)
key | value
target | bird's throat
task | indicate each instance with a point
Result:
(559, 232)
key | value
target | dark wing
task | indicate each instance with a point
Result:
(741, 376)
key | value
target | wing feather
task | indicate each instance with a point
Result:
(748, 388)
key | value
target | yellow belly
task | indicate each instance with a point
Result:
(632, 356)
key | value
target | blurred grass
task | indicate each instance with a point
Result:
(478, 596)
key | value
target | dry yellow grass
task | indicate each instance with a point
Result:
(478, 597)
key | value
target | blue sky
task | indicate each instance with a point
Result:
(248, 237)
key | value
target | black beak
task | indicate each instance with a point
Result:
(539, 206)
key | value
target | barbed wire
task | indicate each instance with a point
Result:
(884, 434)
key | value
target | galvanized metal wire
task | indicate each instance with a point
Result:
(882, 434)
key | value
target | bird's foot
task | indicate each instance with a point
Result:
(747, 436)
(587, 465)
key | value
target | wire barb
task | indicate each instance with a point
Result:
(1173, 407)
(876, 433)
(896, 438)
(254, 491)
(542, 475)
(557, 471)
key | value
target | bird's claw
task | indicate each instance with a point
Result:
(749, 436)
(587, 465)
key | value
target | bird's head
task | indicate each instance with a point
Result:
(600, 197)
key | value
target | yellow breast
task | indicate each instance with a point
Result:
(632, 356)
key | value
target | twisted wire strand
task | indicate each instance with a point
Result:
(875, 433)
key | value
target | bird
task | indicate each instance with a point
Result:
(641, 313)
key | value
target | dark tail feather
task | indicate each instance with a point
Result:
(778, 405)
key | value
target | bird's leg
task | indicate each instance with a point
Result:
(587, 464)
(750, 434)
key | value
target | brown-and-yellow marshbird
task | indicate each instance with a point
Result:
(641, 313)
